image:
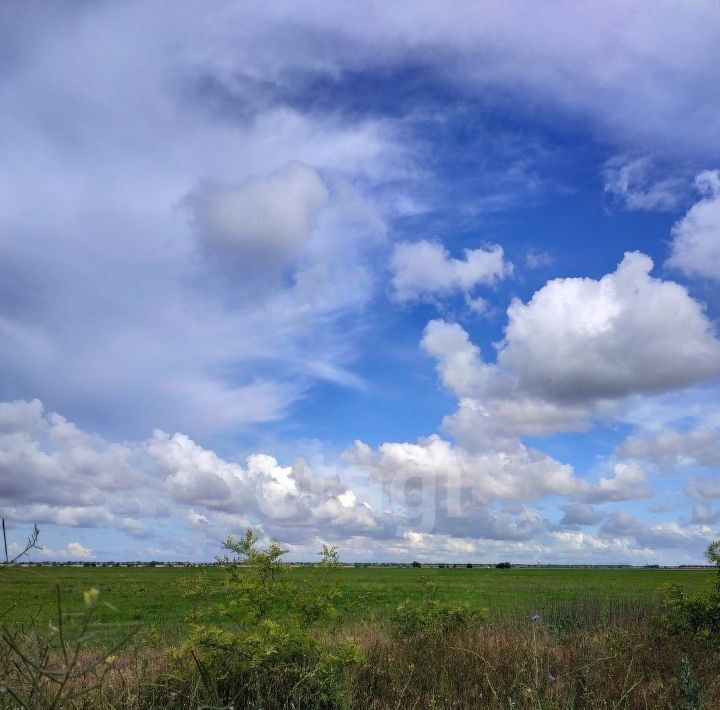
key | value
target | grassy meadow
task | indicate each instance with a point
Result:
(152, 597)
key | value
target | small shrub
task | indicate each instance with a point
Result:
(271, 654)
(695, 614)
(503, 565)
(431, 616)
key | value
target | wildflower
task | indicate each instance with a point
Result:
(551, 678)
(110, 660)
(91, 597)
(535, 617)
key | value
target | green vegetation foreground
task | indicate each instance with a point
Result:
(258, 633)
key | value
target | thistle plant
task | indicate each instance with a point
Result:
(55, 668)
(30, 544)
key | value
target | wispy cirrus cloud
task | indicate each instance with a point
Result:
(632, 184)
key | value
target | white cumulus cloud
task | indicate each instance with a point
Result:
(696, 237)
(578, 349)
(582, 339)
(628, 481)
(78, 551)
(425, 270)
(668, 448)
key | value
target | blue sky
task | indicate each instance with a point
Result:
(423, 281)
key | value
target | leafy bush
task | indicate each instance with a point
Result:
(692, 614)
(503, 565)
(271, 652)
(431, 616)
(695, 614)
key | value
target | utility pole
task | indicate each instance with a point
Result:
(7, 558)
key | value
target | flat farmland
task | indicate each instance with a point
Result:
(152, 597)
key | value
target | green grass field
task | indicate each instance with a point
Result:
(152, 598)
